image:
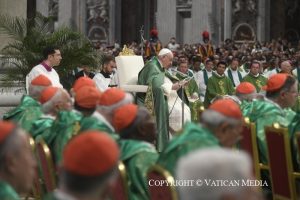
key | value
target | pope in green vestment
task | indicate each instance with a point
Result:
(25, 113)
(137, 156)
(192, 138)
(7, 192)
(217, 85)
(153, 75)
(258, 81)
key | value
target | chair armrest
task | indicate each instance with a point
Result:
(134, 88)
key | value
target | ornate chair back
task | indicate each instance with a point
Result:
(280, 162)
(37, 188)
(118, 189)
(166, 190)
(248, 143)
(46, 164)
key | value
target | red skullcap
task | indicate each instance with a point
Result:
(91, 153)
(205, 34)
(124, 116)
(111, 96)
(41, 80)
(47, 94)
(245, 88)
(227, 107)
(275, 82)
(83, 81)
(6, 128)
(154, 32)
(87, 97)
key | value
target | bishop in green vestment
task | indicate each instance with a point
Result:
(254, 77)
(218, 85)
(191, 91)
(42, 128)
(137, 132)
(25, 113)
(281, 94)
(153, 75)
(218, 128)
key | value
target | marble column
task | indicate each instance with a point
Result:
(227, 19)
(166, 19)
(65, 9)
(261, 21)
(201, 19)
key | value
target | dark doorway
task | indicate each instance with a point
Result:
(285, 19)
(136, 14)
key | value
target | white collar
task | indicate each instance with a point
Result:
(101, 118)
(160, 64)
(216, 73)
(254, 75)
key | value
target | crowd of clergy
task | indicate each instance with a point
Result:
(95, 125)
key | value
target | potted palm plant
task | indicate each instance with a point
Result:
(31, 36)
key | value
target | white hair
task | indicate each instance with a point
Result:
(35, 91)
(247, 97)
(211, 165)
(164, 51)
(48, 106)
(212, 119)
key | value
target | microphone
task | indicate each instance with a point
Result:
(180, 73)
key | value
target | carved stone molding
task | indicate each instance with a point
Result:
(97, 20)
(53, 9)
(244, 18)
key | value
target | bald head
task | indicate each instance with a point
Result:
(286, 67)
(16, 158)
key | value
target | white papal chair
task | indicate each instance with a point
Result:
(128, 68)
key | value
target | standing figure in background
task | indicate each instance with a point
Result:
(52, 58)
(104, 79)
(153, 46)
(205, 50)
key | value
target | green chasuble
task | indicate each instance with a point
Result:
(42, 128)
(265, 113)
(25, 113)
(7, 192)
(66, 125)
(92, 123)
(137, 156)
(189, 90)
(217, 86)
(258, 81)
(192, 138)
(153, 75)
(70, 123)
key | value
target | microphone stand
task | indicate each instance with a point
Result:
(142, 40)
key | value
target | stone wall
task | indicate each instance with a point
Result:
(13, 8)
